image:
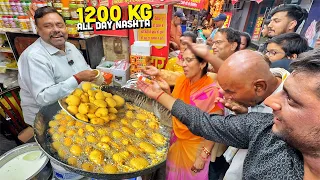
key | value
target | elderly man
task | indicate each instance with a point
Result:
(225, 43)
(50, 68)
(249, 86)
(284, 145)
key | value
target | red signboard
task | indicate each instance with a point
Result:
(257, 28)
(125, 3)
(192, 4)
(228, 20)
(233, 2)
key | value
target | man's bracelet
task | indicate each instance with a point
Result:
(78, 80)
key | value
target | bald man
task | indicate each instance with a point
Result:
(245, 78)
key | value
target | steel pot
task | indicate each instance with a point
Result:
(43, 173)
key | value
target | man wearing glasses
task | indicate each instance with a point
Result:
(282, 49)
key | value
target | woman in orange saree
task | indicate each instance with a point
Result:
(189, 155)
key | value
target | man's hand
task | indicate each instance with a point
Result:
(151, 71)
(86, 75)
(152, 90)
(210, 42)
(200, 50)
(232, 105)
(164, 85)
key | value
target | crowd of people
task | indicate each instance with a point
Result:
(258, 111)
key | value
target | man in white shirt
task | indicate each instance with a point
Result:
(50, 68)
(248, 86)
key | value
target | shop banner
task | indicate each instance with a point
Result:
(228, 20)
(311, 28)
(233, 2)
(196, 5)
(257, 28)
(158, 33)
(125, 3)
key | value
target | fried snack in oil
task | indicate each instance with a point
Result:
(153, 125)
(127, 130)
(72, 161)
(158, 139)
(129, 114)
(87, 166)
(96, 157)
(56, 145)
(141, 117)
(131, 141)
(139, 163)
(117, 134)
(137, 124)
(121, 157)
(103, 146)
(76, 150)
(110, 169)
(105, 139)
(147, 147)
(114, 125)
(140, 134)
(53, 123)
(124, 121)
(133, 150)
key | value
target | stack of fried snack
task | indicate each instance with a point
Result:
(93, 105)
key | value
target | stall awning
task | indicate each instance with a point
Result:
(196, 5)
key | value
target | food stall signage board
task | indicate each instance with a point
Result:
(257, 28)
(228, 20)
(196, 5)
(158, 33)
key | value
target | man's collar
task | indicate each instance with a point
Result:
(51, 49)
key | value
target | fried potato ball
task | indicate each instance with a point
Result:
(96, 157)
(75, 150)
(139, 163)
(110, 169)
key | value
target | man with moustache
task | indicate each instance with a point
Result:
(282, 145)
(225, 42)
(50, 68)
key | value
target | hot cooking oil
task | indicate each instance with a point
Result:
(116, 141)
